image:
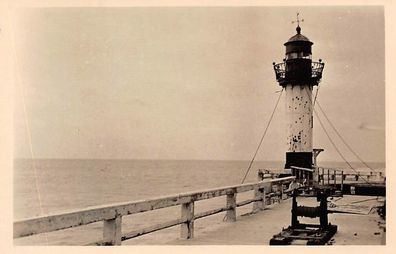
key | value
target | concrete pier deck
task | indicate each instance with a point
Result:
(249, 229)
(258, 229)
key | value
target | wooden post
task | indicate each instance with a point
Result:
(112, 231)
(259, 193)
(281, 191)
(261, 204)
(187, 213)
(316, 176)
(335, 178)
(231, 204)
(379, 176)
(260, 175)
(342, 181)
(256, 204)
(323, 176)
(328, 177)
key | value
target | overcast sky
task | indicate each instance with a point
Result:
(190, 83)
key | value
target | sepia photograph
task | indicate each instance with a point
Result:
(199, 125)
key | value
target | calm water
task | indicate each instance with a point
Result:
(67, 184)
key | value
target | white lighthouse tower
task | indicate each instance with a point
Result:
(297, 74)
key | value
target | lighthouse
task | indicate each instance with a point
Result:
(297, 75)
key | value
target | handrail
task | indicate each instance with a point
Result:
(328, 168)
(281, 70)
(111, 214)
(303, 175)
(303, 169)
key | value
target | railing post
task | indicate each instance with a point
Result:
(342, 181)
(281, 191)
(328, 176)
(112, 231)
(231, 204)
(187, 213)
(315, 176)
(259, 194)
(323, 174)
(335, 179)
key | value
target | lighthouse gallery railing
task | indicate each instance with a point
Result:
(112, 214)
(280, 70)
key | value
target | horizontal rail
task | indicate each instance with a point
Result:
(332, 169)
(151, 229)
(176, 222)
(210, 212)
(246, 202)
(59, 221)
(364, 174)
(143, 231)
(302, 169)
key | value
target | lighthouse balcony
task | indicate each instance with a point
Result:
(303, 72)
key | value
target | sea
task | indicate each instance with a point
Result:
(47, 186)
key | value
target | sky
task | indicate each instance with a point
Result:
(190, 82)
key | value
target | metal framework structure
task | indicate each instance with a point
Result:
(284, 76)
(314, 234)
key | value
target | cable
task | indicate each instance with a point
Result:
(259, 145)
(332, 142)
(336, 148)
(338, 134)
(343, 140)
(316, 96)
(262, 138)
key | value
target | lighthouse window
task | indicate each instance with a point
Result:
(306, 55)
(292, 56)
(295, 55)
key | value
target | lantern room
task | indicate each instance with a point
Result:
(298, 46)
(297, 67)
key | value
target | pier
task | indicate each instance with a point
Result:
(354, 229)
(112, 214)
(255, 224)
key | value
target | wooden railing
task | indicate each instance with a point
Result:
(331, 175)
(302, 173)
(328, 176)
(112, 214)
(317, 175)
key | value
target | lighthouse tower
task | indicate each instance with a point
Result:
(297, 74)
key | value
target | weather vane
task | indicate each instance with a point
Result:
(298, 20)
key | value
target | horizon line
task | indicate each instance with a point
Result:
(188, 159)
